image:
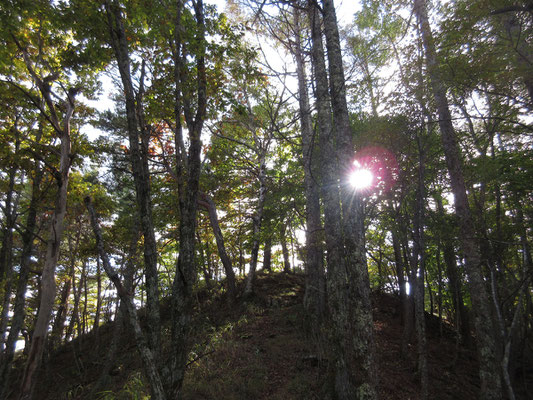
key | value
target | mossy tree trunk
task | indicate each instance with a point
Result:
(481, 306)
(315, 296)
(17, 321)
(209, 204)
(193, 107)
(138, 135)
(349, 285)
(62, 128)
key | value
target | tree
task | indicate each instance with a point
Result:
(354, 375)
(139, 162)
(489, 371)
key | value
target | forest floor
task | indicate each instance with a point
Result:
(259, 349)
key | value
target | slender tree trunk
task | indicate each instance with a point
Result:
(419, 270)
(48, 288)
(439, 302)
(75, 317)
(284, 249)
(6, 255)
(98, 298)
(85, 277)
(400, 272)
(481, 306)
(139, 164)
(409, 305)
(315, 290)
(208, 203)
(111, 351)
(257, 220)
(430, 293)
(454, 280)
(188, 173)
(17, 321)
(267, 255)
(6, 251)
(61, 314)
(147, 356)
(205, 262)
(527, 264)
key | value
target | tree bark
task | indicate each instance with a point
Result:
(188, 173)
(205, 261)
(481, 306)
(6, 252)
(61, 314)
(284, 249)
(9, 210)
(48, 288)
(400, 272)
(156, 386)
(267, 255)
(315, 296)
(17, 321)
(96, 323)
(419, 265)
(454, 280)
(75, 317)
(351, 308)
(257, 220)
(208, 203)
(139, 164)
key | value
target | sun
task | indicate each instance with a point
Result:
(361, 178)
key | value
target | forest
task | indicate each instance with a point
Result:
(186, 186)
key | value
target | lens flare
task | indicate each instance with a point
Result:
(361, 179)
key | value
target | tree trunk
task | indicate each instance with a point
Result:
(139, 165)
(409, 305)
(351, 308)
(257, 220)
(454, 280)
(481, 306)
(111, 352)
(419, 265)
(284, 249)
(75, 317)
(6, 251)
(96, 323)
(205, 262)
(85, 277)
(61, 314)
(6, 255)
(208, 203)
(267, 255)
(188, 173)
(439, 300)
(48, 288)
(400, 272)
(17, 321)
(147, 356)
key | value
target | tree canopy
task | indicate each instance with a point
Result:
(153, 150)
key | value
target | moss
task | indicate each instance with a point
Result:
(366, 392)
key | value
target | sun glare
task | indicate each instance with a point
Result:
(361, 178)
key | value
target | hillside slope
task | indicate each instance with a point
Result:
(260, 350)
